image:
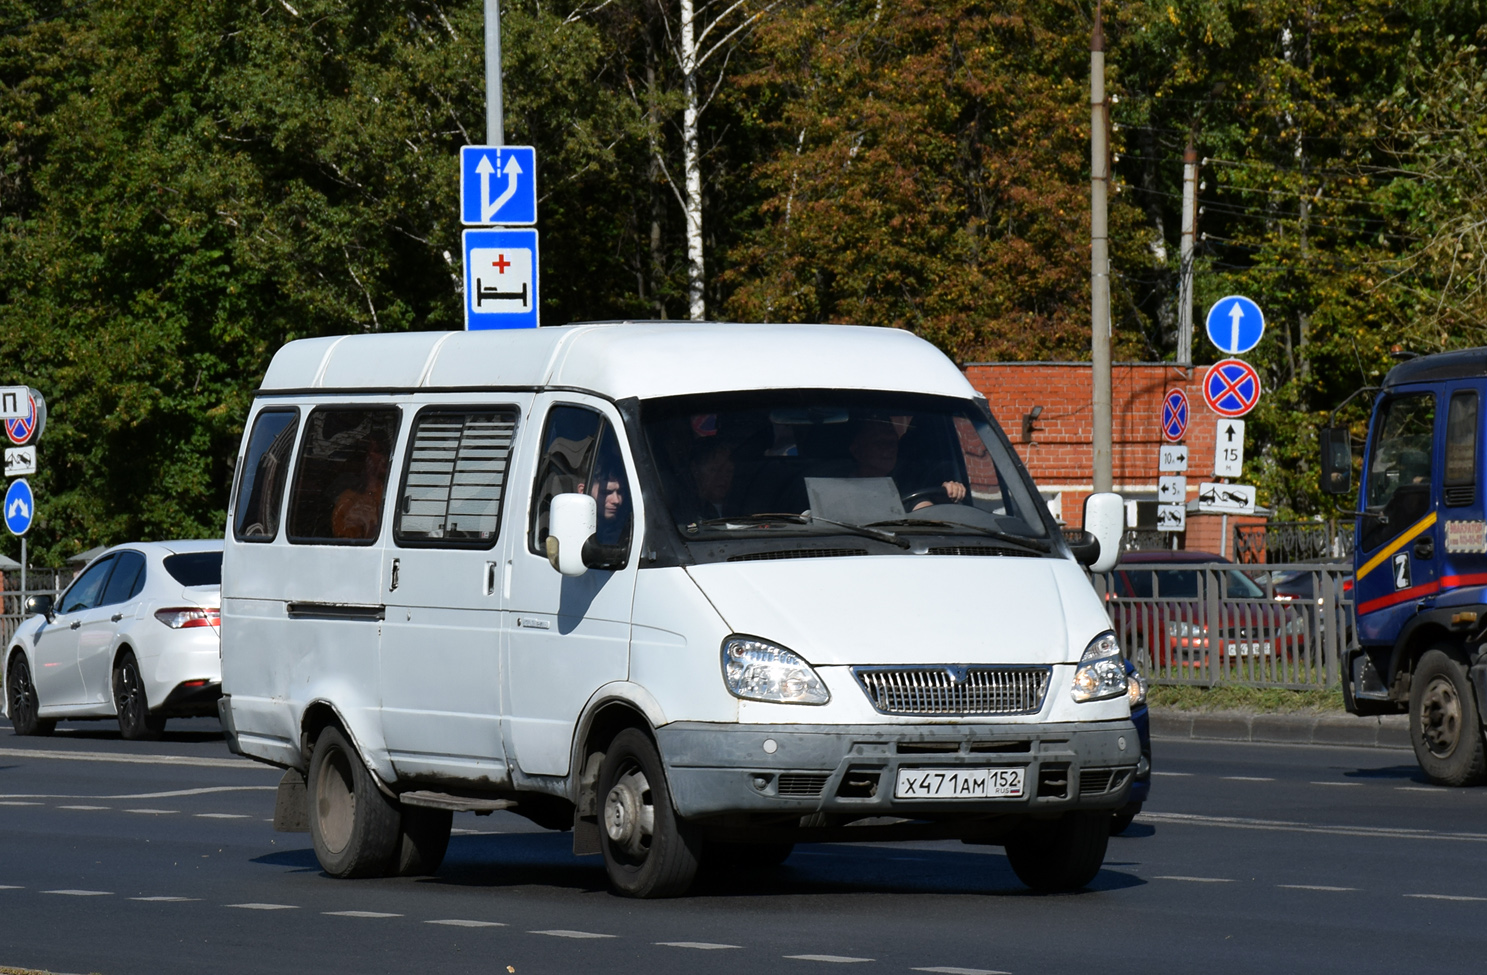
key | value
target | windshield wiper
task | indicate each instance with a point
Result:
(1021, 541)
(794, 519)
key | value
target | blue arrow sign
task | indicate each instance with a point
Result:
(501, 278)
(1235, 324)
(498, 184)
(20, 507)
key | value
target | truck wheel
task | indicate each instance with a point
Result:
(648, 851)
(1061, 854)
(1444, 725)
(355, 828)
(21, 700)
(423, 841)
(135, 721)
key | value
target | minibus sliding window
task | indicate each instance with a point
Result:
(454, 478)
(340, 481)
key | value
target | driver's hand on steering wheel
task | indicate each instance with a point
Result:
(955, 490)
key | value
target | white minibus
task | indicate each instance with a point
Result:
(695, 592)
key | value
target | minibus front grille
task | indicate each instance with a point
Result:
(955, 691)
(798, 553)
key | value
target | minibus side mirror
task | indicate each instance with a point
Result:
(1105, 521)
(570, 522)
(39, 605)
(1337, 460)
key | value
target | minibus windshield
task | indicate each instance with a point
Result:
(822, 461)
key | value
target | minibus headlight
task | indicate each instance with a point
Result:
(1136, 692)
(757, 670)
(1102, 671)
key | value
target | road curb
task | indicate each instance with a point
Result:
(1387, 731)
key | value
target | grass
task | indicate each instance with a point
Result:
(1233, 697)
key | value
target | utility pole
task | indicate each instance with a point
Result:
(1099, 257)
(1189, 239)
(495, 128)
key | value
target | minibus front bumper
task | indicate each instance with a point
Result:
(717, 769)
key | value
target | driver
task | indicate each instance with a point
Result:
(874, 450)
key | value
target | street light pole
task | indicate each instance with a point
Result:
(495, 130)
(1099, 253)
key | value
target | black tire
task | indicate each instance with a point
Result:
(136, 723)
(1123, 817)
(355, 828)
(722, 855)
(1445, 727)
(648, 850)
(21, 701)
(1063, 854)
(423, 841)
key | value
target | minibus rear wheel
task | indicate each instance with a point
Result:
(648, 850)
(1064, 854)
(355, 828)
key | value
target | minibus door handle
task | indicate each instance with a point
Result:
(490, 578)
(394, 584)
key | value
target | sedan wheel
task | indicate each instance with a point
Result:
(22, 702)
(135, 721)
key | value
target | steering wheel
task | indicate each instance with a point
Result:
(934, 495)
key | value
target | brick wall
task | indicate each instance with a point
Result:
(1060, 453)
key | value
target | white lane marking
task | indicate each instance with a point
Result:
(358, 914)
(13, 803)
(1314, 887)
(129, 759)
(166, 900)
(1445, 897)
(1420, 788)
(80, 893)
(1199, 880)
(83, 807)
(1344, 785)
(1248, 778)
(11, 887)
(563, 933)
(1273, 825)
(174, 793)
(834, 959)
(1174, 775)
(265, 907)
(221, 815)
(699, 945)
(948, 970)
(154, 812)
(459, 922)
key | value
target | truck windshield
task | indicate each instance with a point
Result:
(814, 461)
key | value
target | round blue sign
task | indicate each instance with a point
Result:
(20, 507)
(1235, 324)
(1231, 387)
(1175, 415)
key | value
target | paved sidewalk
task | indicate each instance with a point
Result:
(1305, 728)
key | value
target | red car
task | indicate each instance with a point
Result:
(1164, 614)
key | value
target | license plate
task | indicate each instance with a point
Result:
(1248, 649)
(959, 783)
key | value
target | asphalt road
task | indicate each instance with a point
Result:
(161, 858)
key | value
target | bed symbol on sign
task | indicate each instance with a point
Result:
(502, 275)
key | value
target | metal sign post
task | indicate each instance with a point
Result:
(495, 122)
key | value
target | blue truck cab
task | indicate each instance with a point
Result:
(1420, 561)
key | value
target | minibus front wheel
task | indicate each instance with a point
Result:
(1058, 855)
(648, 851)
(355, 828)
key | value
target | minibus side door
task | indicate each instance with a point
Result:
(440, 672)
(566, 636)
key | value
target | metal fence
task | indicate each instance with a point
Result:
(39, 582)
(1293, 541)
(1218, 623)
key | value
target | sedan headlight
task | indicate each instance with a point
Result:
(757, 670)
(1184, 628)
(1102, 670)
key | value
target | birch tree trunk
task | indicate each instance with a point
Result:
(692, 163)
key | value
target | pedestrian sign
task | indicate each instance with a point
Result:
(20, 507)
(500, 279)
(1231, 387)
(1175, 415)
(1235, 324)
(498, 185)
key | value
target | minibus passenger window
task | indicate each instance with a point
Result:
(265, 470)
(341, 481)
(455, 477)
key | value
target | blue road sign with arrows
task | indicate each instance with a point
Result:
(498, 185)
(1235, 324)
(20, 507)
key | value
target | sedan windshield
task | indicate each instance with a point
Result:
(828, 461)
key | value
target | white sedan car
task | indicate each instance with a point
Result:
(137, 635)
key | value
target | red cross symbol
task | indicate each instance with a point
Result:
(500, 264)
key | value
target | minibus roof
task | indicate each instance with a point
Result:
(620, 360)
